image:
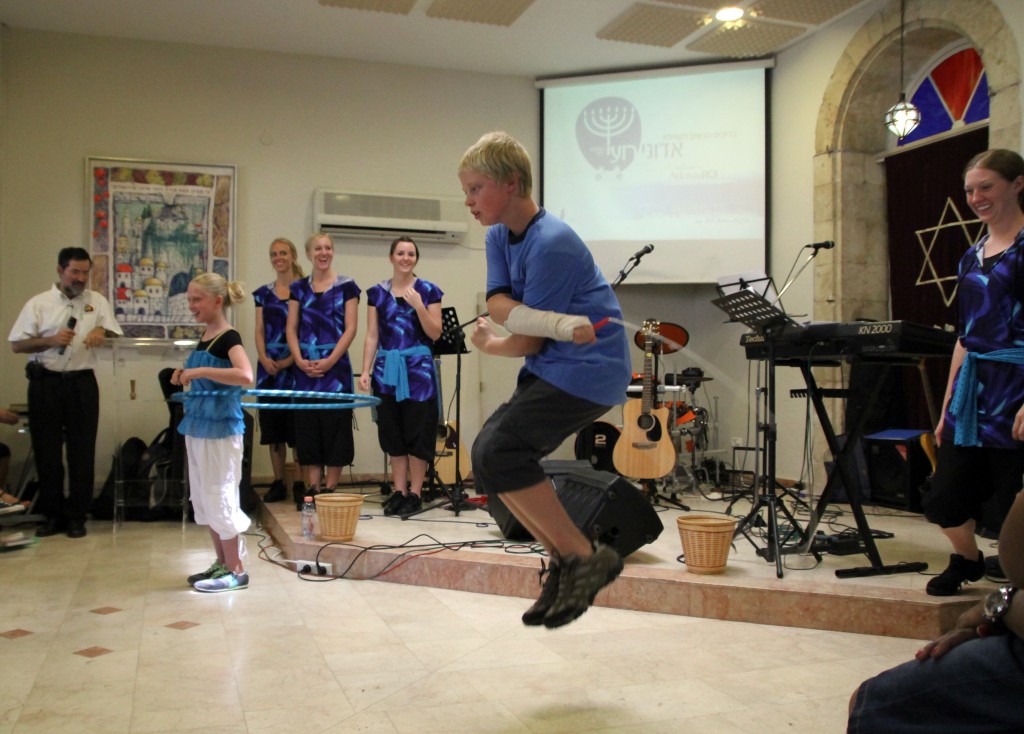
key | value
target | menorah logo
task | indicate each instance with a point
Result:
(608, 133)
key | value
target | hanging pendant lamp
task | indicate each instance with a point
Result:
(903, 117)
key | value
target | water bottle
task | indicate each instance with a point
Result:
(308, 519)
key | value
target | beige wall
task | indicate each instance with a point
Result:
(289, 123)
(293, 123)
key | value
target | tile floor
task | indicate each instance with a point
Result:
(101, 635)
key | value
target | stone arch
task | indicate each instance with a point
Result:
(849, 185)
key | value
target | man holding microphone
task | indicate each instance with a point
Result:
(60, 328)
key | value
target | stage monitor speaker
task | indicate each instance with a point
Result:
(604, 506)
(897, 467)
(510, 527)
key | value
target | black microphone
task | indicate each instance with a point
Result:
(826, 245)
(643, 251)
(71, 325)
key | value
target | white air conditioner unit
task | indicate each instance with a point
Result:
(386, 216)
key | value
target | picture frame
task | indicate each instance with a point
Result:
(153, 226)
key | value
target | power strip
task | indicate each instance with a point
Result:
(313, 567)
(846, 544)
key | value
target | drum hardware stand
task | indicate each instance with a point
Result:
(451, 341)
(753, 310)
(694, 471)
(650, 488)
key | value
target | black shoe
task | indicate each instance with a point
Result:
(534, 616)
(994, 570)
(299, 494)
(410, 503)
(52, 526)
(580, 580)
(392, 503)
(76, 529)
(276, 493)
(958, 572)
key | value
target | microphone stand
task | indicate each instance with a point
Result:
(452, 340)
(791, 280)
(631, 263)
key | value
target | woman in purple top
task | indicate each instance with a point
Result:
(402, 322)
(274, 369)
(981, 432)
(322, 322)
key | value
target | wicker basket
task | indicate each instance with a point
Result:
(706, 541)
(337, 515)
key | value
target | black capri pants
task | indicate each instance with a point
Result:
(521, 432)
(407, 427)
(966, 477)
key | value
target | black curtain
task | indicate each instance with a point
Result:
(926, 209)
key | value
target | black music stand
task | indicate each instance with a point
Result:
(753, 309)
(451, 341)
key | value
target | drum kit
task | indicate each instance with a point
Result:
(687, 424)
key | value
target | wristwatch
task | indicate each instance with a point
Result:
(997, 604)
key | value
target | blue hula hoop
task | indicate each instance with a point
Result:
(343, 400)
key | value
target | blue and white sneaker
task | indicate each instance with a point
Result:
(227, 582)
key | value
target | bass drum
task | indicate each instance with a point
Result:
(595, 443)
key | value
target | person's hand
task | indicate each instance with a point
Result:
(307, 366)
(1018, 425)
(364, 381)
(966, 629)
(8, 416)
(63, 337)
(178, 377)
(938, 430)
(483, 334)
(413, 298)
(584, 335)
(269, 366)
(319, 367)
(94, 338)
(947, 642)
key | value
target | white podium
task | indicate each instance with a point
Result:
(133, 406)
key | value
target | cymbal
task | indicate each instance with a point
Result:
(674, 333)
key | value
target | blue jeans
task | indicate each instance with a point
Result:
(975, 688)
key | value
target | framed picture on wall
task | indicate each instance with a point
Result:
(155, 225)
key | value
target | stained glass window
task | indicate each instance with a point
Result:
(953, 94)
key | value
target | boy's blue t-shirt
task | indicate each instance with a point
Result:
(550, 268)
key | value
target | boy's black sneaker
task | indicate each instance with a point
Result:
(534, 616)
(579, 581)
(957, 573)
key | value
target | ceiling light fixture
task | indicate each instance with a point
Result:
(903, 117)
(729, 14)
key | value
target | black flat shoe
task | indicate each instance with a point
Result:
(52, 526)
(276, 493)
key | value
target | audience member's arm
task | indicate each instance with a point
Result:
(1011, 543)
(1011, 557)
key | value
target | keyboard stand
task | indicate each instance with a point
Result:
(843, 470)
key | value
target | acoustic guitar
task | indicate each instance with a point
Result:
(645, 449)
